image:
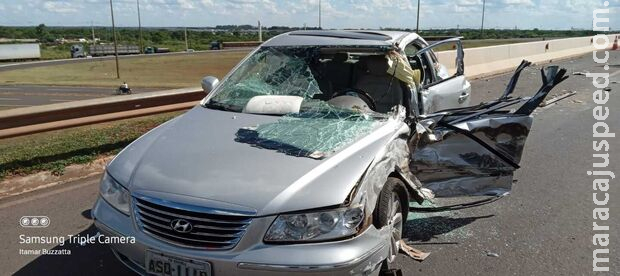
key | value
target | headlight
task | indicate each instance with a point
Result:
(114, 194)
(317, 226)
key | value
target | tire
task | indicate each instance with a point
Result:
(391, 211)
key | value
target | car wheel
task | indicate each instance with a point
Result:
(391, 212)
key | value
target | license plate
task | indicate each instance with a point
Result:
(164, 265)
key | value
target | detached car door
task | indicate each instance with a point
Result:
(475, 151)
(448, 87)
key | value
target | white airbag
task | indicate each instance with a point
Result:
(272, 104)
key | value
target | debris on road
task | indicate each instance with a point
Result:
(412, 252)
(558, 98)
(392, 272)
(491, 254)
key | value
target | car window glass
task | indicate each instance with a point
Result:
(443, 61)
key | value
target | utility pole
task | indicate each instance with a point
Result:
(140, 28)
(118, 73)
(92, 29)
(186, 45)
(482, 26)
(417, 26)
(320, 14)
(260, 32)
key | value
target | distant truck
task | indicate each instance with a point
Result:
(108, 49)
(20, 51)
(219, 45)
(77, 51)
(216, 45)
(153, 50)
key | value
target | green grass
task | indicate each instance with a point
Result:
(150, 71)
(55, 150)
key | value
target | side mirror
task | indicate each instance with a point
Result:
(209, 83)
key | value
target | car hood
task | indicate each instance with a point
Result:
(195, 158)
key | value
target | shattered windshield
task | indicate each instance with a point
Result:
(270, 71)
(283, 80)
(310, 134)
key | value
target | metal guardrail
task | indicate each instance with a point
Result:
(34, 119)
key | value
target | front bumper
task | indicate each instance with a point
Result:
(361, 255)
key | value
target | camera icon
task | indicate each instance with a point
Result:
(34, 221)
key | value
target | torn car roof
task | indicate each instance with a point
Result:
(339, 37)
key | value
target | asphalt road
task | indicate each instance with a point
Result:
(14, 96)
(543, 228)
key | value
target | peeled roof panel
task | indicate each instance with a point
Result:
(344, 34)
(307, 40)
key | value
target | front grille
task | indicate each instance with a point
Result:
(210, 230)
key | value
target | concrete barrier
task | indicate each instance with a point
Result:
(27, 120)
(486, 61)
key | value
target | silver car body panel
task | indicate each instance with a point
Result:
(196, 155)
(340, 38)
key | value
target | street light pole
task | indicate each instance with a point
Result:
(260, 32)
(186, 45)
(118, 74)
(417, 26)
(140, 28)
(482, 25)
(319, 14)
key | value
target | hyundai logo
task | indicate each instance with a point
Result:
(181, 225)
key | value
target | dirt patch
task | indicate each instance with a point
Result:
(16, 185)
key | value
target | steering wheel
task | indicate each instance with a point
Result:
(358, 93)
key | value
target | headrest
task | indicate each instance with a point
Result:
(340, 57)
(375, 65)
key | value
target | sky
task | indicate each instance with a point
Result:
(369, 14)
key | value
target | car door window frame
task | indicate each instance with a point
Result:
(460, 67)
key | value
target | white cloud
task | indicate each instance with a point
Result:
(186, 4)
(519, 2)
(60, 7)
(469, 3)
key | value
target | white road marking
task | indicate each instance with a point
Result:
(66, 89)
(55, 100)
(10, 88)
(9, 99)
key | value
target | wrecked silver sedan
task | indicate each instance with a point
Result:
(305, 157)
